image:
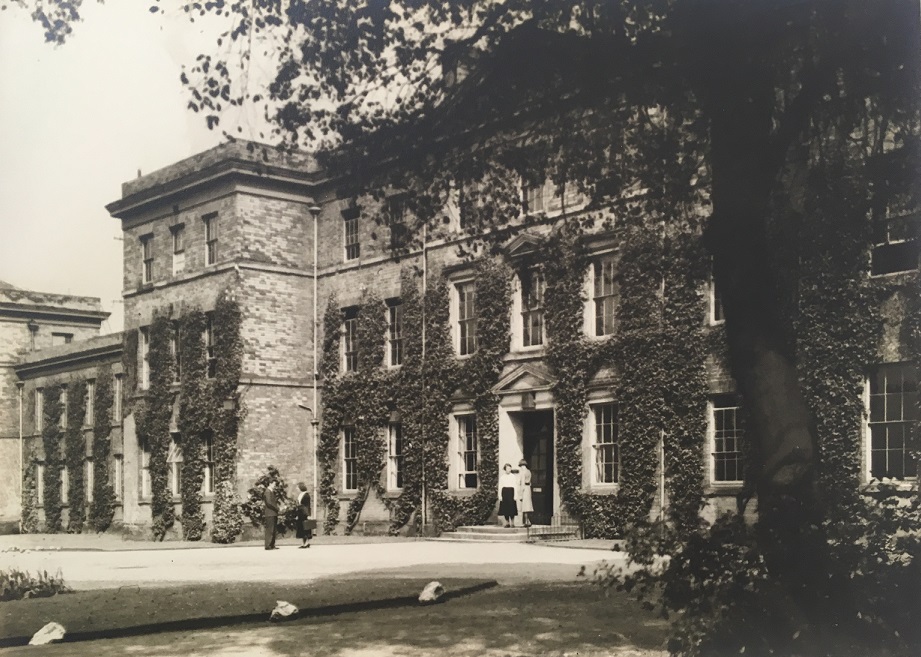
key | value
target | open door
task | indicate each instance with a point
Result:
(538, 452)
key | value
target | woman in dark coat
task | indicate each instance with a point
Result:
(508, 483)
(303, 515)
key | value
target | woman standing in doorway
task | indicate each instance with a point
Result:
(524, 492)
(508, 483)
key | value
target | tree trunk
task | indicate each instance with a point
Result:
(762, 358)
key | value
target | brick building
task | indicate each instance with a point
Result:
(283, 236)
(39, 335)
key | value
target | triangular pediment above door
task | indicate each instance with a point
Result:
(524, 378)
(522, 245)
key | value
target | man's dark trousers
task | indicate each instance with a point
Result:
(271, 517)
(270, 524)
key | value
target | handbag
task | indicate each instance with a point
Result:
(309, 523)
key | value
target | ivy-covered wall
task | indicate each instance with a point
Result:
(203, 398)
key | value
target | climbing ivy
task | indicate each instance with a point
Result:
(102, 508)
(477, 376)
(227, 520)
(196, 411)
(328, 448)
(130, 369)
(362, 400)
(52, 409)
(425, 387)
(30, 523)
(153, 424)
(75, 455)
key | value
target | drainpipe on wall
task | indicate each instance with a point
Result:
(314, 422)
(22, 465)
(424, 290)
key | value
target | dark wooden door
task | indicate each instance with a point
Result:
(538, 451)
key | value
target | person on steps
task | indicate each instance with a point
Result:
(508, 483)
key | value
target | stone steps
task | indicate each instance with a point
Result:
(494, 534)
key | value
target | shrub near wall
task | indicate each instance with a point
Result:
(75, 455)
(102, 508)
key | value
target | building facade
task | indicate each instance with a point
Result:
(397, 378)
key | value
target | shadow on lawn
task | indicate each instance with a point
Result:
(520, 619)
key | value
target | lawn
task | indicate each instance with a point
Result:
(538, 618)
(135, 610)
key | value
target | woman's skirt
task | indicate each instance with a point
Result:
(303, 513)
(508, 508)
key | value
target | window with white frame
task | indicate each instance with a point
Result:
(726, 440)
(893, 416)
(604, 296)
(605, 444)
(350, 339)
(62, 421)
(467, 452)
(532, 309)
(143, 352)
(895, 245)
(90, 415)
(209, 345)
(350, 237)
(40, 483)
(65, 485)
(207, 484)
(145, 469)
(39, 410)
(174, 462)
(147, 258)
(717, 316)
(117, 398)
(118, 472)
(394, 332)
(211, 238)
(177, 235)
(394, 456)
(466, 318)
(553, 199)
(397, 215)
(89, 478)
(349, 459)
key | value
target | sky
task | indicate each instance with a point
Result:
(78, 120)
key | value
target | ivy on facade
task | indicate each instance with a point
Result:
(196, 412)
(476, 377)
(102, 508)
(227, 519)
(425, 386)
(52, 410)
(75, 455)
(153, 424)
(361, 400)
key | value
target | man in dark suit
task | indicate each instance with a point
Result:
(270, 516)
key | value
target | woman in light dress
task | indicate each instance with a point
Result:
(508, 484)
(524, 492)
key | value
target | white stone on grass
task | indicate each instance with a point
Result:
(283, 611)
(431, 593)
(51, 633)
